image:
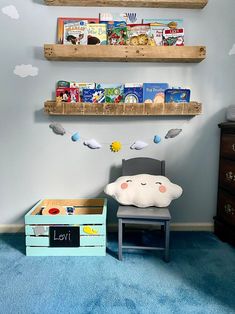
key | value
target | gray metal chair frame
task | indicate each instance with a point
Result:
(142, 216)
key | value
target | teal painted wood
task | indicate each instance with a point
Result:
(84, 241)
(82, 251)
(66, 220)
(29, 230)
(101, 229)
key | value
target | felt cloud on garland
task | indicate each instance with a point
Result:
(93, 144)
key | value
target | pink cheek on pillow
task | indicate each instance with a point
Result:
(124, 186)
(162, 189)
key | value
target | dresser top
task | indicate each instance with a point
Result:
(227, 125)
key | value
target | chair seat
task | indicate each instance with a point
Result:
(152, 213)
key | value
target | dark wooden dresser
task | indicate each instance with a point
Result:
(225, 216)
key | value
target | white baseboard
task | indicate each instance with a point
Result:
(113, 227)
(12, 228)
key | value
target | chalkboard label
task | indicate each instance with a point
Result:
(64, 237)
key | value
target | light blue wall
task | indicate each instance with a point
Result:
(36, 164)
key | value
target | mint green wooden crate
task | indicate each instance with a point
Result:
(91, 221)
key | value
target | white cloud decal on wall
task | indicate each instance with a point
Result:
(11, 11)
(25, 70)
(232, 51)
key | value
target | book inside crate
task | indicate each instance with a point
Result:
(122, 109)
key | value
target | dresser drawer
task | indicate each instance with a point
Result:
(228, 145)
(226, 207)
(227, 174)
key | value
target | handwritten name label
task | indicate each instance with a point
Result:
(64, 237)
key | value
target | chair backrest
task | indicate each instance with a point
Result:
(141, 165)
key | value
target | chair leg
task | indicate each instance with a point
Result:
(167, 241)
(120, 235)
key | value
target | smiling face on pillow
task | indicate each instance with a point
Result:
(144, 190)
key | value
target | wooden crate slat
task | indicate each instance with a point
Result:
(89, 109)
(81, 251)
(182, 4)
(100, 229)
(84, 241)
(125, 53)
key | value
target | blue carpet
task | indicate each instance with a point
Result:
(199, 279)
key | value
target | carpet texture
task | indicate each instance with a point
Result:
(199, 279)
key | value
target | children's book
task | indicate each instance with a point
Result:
(173, 37)
(117, 32)
(177, 95)
(113, 92)
(138, 35)
(75, 33)
(157, 26)
(97, 34)
(93, 95)
(62, 20)
(129, 17)
(133, 94)
(154, 92)
(82, 86)
(67, 94)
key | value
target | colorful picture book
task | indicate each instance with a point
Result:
(133, 95)
(149, 93)
(67, 94)
(116, 32)
(173, 37)
(66, 21)
(177, 95)
(138, 34)
(158, 26)
(93, 95)
(113, 92)
(97, 34)
(75, 33)
(154, 92)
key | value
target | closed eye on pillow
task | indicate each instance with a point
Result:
(145, 190)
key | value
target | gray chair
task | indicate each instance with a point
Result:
(142, 216)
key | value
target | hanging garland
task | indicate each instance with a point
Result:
(115, 146)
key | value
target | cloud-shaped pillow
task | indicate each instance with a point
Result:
(144, 190)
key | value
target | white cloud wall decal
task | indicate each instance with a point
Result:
(11, 11)
(232, 51)
(25, 70)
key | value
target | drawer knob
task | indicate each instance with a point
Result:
(229, 209)
(233, 147)
(230, 176)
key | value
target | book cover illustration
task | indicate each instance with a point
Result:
(129, 17)
(67, 94)
(138, 35)
(133, 85)
(133, 95)
(82, 86)
(63, 84)
(75, 33)
(154, 92)
(157, 26)
(97, 34)
(117, 32)
(62, 20)
(93, 95)
(113, 92)
(173, 37)
(177, 95)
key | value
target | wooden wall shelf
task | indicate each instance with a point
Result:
(125, 53)
(121, 109)
(181, 4)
